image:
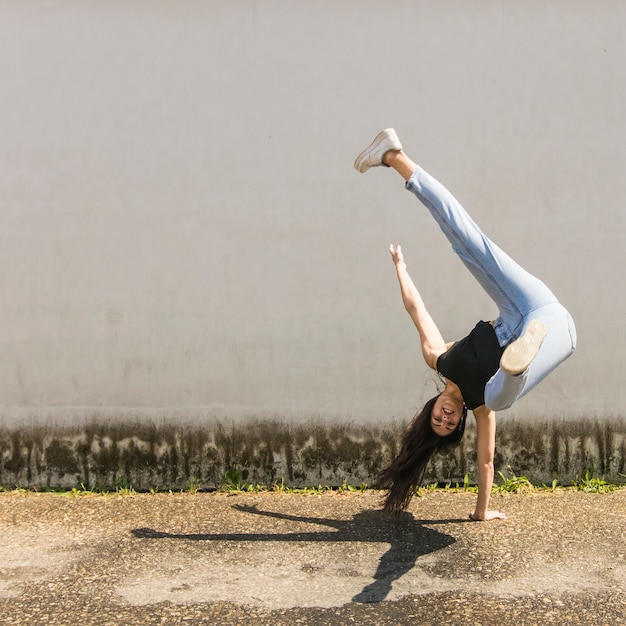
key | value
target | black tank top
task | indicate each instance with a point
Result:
(471, 362)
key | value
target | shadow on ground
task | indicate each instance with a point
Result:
(409, 539)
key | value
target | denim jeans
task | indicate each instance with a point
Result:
(519, 296)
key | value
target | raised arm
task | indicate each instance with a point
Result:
(485, 450)
(432, 342)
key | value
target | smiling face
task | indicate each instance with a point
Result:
(446, 415)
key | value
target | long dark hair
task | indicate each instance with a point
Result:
(419, 443)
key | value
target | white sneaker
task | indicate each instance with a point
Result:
(518, 355)
(373, 155)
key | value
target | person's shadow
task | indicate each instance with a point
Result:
(409, 539)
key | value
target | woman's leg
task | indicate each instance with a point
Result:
(560, 342)
(520, 297)
(515, 292)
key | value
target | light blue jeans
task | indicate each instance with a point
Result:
(519, 296)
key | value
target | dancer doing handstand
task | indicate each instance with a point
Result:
(496, 364)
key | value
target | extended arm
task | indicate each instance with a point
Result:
(432, 342)
(485, 450)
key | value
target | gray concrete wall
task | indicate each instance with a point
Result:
(104, 455)
(182, 234)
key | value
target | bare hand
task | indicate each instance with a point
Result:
(489, 515)
(396, 253)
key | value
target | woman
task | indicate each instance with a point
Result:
(491, 368)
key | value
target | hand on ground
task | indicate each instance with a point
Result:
(489, 515)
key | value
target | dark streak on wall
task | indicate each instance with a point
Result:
(146, 456)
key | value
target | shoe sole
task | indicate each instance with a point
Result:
(359, 162)
(518, 356)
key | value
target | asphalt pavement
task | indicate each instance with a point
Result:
(334, 558)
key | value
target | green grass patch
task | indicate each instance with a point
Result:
(232, 482)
